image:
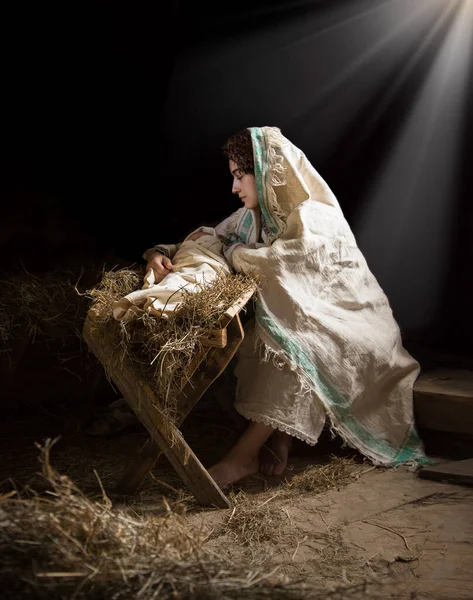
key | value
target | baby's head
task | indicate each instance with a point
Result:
(195, 236)
(210, 241)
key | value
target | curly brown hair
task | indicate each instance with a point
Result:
(239, 148)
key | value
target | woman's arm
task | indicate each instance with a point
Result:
(159, 259)
(168, 250)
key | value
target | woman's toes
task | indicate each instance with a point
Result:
(279, 469)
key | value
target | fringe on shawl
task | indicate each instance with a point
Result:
(277, 177)
(277, 169)
(280, 359)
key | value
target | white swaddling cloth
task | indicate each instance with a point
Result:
(196, 263)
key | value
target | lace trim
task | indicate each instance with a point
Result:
(258, 418)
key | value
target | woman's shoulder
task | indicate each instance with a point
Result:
(240, 212)
(233, 219)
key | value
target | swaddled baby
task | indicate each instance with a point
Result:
(198, 260)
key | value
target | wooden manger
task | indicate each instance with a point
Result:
(165, 436)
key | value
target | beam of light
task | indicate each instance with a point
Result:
(288, 36)
(406, 226)
(341, 21)
(276, 75)
(361, 61)
(247, 69)
(364, 51)
(397, 82)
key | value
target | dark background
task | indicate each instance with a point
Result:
(116, 112)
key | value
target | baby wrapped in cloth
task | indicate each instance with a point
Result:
(198, 261)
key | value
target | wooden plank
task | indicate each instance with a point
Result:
(459, 471)
(443, 400)
(216, 338)
(236, 307)
(165, 433)
(455, 383)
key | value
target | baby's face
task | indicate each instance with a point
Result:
(196, 236)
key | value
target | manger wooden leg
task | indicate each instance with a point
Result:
(165, 433)
(171, 442)
(216, 361)
(184, 461)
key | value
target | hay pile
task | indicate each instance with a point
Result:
(161, 350)
(251, 521)
(46, 305)
(65, 545)
(340, 471)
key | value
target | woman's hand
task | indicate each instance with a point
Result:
(161, 266)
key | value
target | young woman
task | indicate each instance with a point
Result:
(324, 342)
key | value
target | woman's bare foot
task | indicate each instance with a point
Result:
(230, 470)
(242, 460)
(274, 456)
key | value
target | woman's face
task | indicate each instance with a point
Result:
(244, 184)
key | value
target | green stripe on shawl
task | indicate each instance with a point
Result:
(245, 226)
(409, 451)
(260, 151)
